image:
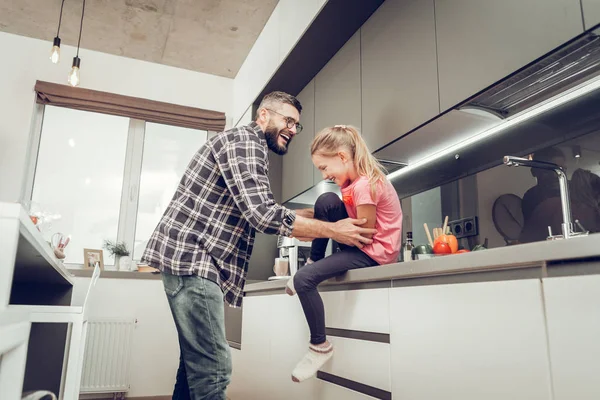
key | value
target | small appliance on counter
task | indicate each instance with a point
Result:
(295, 251)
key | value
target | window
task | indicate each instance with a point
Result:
(79, 175)
(88, 171)
(167, 152)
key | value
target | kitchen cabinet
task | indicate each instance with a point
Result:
(297, 173)
(337, 91)
(572, 305)
(591, 12)
(360, 310)
(399, 70)
(288, 343)
(469, 341)
(481, 41)
(337, 88)
(274, 338)
(363, 361)
(254, 359)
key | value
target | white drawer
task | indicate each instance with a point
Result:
(361, 361)
(362, 310)
(331, 391)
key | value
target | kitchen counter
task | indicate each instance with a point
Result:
(511, 262)
(113, 274)
(521, 320)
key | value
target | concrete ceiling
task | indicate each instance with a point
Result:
(211, 36)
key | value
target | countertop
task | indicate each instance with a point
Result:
(110, 274)
(529, 255)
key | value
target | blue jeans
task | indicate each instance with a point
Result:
(205, 359)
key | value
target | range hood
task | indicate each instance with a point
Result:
(546, 78)
(566, 75)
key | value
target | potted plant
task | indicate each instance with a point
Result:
(120, 252)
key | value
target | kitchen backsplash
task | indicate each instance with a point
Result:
(515, 205)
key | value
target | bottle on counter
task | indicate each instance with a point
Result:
(407, 247)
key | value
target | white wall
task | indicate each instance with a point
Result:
(26, 60)
(283, 29)
(155, 351)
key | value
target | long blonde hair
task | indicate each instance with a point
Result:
(331, 140)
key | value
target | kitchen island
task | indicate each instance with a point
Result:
(517, 322)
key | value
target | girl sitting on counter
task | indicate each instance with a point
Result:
(342, 156)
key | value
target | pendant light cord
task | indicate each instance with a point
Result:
(60, 17)
(80, 27)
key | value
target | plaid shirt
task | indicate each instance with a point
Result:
(223, 198)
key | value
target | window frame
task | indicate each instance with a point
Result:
(132, 173)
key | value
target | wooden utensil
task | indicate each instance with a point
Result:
(445, 225)
(428, 235)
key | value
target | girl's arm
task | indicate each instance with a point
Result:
(367, 211)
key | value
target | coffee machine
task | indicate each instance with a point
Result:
(295, 251)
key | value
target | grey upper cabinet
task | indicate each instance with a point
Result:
(399, 70)
(337, 88)
(482, 41)
(337, 91)
(591, 12)
(297, 171)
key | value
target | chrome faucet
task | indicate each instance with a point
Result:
(567, 225)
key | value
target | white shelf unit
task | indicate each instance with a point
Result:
(24, 254)
(26, 261)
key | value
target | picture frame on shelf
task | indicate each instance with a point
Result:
(93, 256)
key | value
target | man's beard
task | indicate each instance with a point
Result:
(272, 137)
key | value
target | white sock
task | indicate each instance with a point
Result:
(289, 288)
(312, 362)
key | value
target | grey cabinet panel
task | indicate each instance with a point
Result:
(337, 88)
(591, 12)
(297, 175)
(338, 91)
(482, 41)
(399, 70)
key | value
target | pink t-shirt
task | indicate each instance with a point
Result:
(386, 242)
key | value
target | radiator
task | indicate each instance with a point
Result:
(107, 354)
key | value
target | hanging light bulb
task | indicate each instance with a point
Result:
(74, 74)
(55, 53)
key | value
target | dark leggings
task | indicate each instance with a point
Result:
(330, 208)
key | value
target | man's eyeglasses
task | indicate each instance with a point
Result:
(290, 122)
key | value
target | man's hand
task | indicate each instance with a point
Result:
(304, 239)
(306, 212)
(349, 231)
